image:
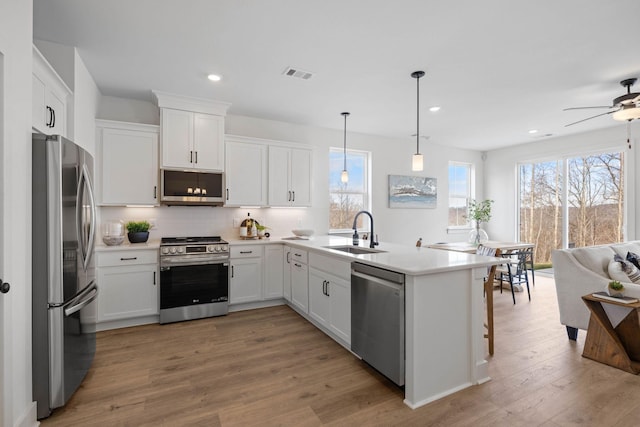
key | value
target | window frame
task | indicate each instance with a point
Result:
(367, 179)
(471, 192)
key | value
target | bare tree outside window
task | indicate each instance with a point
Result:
(594, 203)
(347, 199)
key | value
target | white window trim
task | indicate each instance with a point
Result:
(368, 191)
(462, 229)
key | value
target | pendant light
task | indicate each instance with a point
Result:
(417, 163)
(344, 177)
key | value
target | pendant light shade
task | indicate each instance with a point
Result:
(417, 163)
(344, 177)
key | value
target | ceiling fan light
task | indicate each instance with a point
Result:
(417, 162)
(627, 113)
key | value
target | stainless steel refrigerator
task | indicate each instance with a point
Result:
(63, 285)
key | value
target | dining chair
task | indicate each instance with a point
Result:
(488, 290)
(514, 270)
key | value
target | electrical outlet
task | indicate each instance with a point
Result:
(152, 223)
(236, 222)
(299, 222)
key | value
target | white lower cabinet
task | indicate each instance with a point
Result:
(286, 273)
(128, 286)
(273, 272)
(330, 294)
(245, 281)
(299, 280)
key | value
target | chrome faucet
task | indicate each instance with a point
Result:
(373, 239)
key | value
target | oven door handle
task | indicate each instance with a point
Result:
(165, 265)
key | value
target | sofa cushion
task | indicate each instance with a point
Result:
(633, 258)
(616, 272)
(595, 258)
(623, 248)
(632, 272)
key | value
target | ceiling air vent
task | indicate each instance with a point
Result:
(298, 73)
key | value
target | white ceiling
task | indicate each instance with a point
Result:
(498, 68)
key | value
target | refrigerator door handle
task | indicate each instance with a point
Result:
(82, 300)
(87, 251)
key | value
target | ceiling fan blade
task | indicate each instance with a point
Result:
(589, 118)
(586, 108)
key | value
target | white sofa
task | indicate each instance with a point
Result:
(581, 271)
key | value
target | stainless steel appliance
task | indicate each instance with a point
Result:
(63, 234)
(377, 319)
(194, 278)
(191, 188)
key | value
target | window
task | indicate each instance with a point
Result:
(459, 194)
(345, 200)
(573, 202)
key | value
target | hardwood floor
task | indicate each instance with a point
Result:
(271, 367)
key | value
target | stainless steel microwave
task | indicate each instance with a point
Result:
(191, 188)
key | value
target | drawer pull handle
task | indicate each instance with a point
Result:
(129, 259)
(246, 252)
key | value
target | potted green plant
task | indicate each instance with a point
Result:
(138, 231)
(479, 212)
(615, 289)
(261, 230)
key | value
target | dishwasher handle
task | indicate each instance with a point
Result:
(377, 280)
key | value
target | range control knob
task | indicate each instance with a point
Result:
(172, 250)
(165, 250)
(218, 248)
(210, 248)
(180, 249)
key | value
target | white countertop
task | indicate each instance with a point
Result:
(409, 260)
(150, 244)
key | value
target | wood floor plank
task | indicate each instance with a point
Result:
(270, 367)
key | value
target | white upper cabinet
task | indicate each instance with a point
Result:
(289, 176)
(127, 163)
(192, 132)
(246, 172)
(49, 98)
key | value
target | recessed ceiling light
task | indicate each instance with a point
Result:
(434, 109)
(533, 131)
(214, 77)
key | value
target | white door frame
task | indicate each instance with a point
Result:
(4, 318)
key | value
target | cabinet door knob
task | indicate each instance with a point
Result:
(4, 287)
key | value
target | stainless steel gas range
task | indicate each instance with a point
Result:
(194, 278)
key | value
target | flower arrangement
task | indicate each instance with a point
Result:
(479, 212)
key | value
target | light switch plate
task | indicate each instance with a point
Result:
(236, 222)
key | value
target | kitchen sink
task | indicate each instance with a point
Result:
(357, 250)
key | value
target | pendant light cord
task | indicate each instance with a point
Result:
(345, 140)
(416, 75)
(418, 114)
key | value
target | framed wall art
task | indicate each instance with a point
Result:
(413, 192)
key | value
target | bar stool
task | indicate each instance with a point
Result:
(488, 290)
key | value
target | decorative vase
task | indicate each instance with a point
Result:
(478, 236)
(138, 236)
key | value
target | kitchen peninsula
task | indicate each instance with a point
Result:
(444, 310)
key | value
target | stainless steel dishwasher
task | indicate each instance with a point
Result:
(377, 319)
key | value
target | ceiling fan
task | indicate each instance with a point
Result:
(624, 108)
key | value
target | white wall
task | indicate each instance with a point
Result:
(16, 406)
(390, 156)
(501, 172)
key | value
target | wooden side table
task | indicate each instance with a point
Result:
(619, 345)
